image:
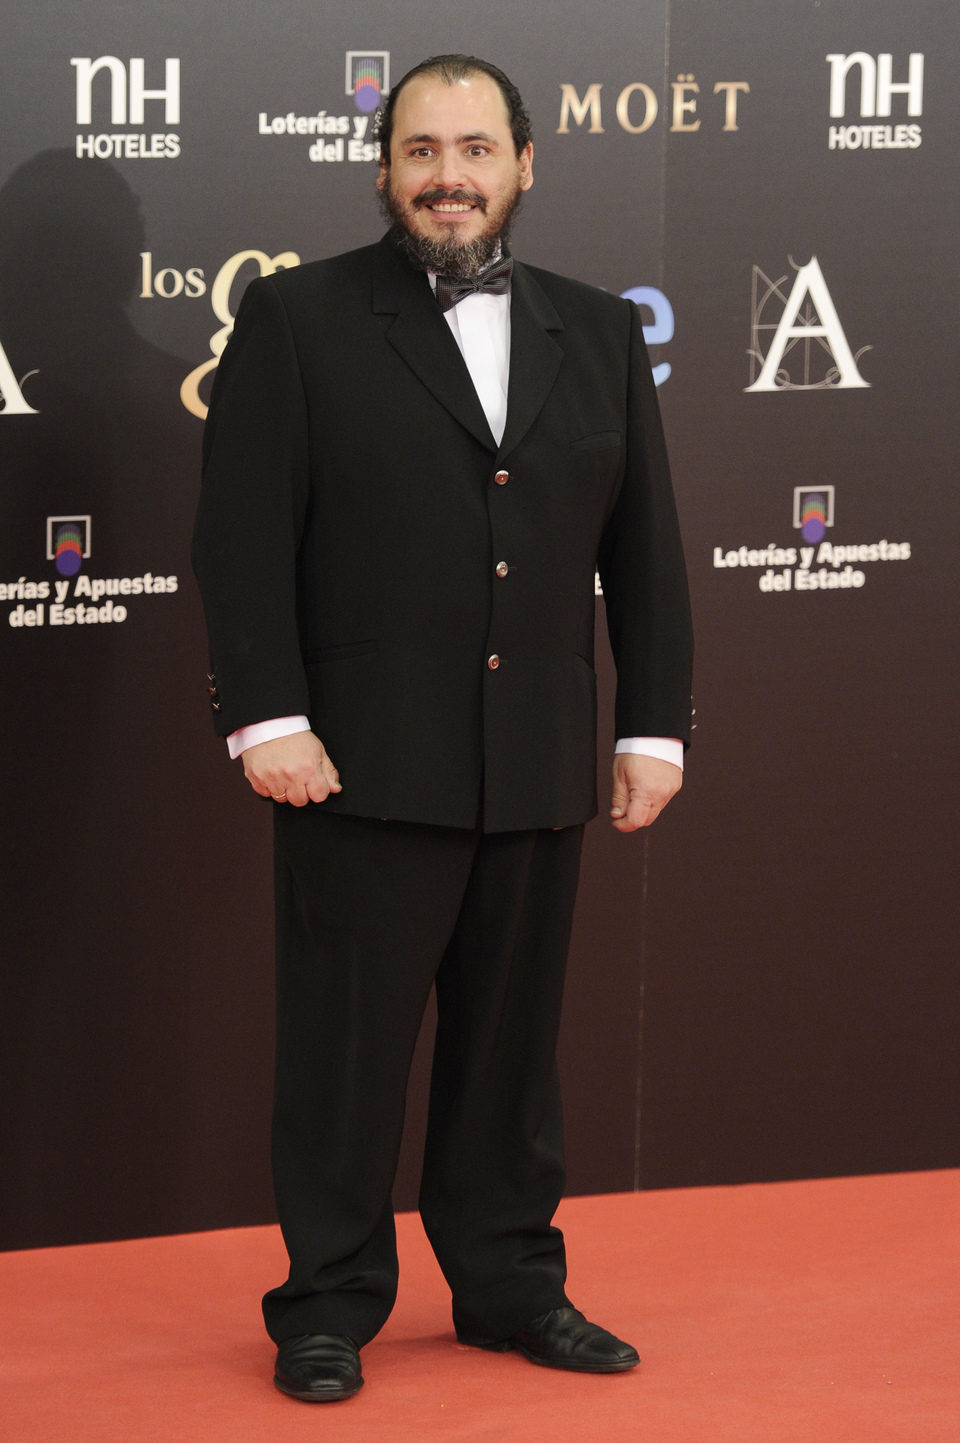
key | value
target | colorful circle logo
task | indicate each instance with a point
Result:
(813, 517)
(366, 87)
(68, 549)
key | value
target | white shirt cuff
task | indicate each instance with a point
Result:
(265, 731)
(667, 749)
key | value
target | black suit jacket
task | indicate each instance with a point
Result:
(354, 510)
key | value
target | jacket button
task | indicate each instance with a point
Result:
(502, 568)
(502, 477)
(493, 662)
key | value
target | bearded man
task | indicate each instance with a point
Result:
(401, 611)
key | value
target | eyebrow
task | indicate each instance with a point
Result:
(460, 139)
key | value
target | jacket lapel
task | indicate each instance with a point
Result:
(534, 356)
(422, 337)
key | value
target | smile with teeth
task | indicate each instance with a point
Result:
(450, 203)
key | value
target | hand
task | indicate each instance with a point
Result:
(642, 787)
(293, 769)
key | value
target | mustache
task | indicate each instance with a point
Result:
(467, 197)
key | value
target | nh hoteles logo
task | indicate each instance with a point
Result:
(117, 94)
(870, 79)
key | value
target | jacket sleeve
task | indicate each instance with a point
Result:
(250, 517)
(643, 575)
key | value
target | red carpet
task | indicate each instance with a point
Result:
(811, 1312)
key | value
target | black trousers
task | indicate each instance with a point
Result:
(370, 915)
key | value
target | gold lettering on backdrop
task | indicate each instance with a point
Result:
(731, 89)
(681, 106)
(685, 90)
(220, 301)
(623, 107)
(572, 105)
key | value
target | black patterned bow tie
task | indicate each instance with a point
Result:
(494, 281)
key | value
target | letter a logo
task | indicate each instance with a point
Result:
(10, 392)
(808, 350)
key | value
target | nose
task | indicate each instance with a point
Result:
(449, 170)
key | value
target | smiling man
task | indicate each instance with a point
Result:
(401, 616)
(452, 188)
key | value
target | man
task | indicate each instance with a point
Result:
(399, 586)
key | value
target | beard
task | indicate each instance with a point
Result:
(451, 256)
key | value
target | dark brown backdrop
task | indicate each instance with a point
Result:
(761, 988)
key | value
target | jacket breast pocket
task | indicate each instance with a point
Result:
(597, 441)
(340, 651)
(595, 463)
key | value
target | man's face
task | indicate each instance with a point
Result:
(454, 178)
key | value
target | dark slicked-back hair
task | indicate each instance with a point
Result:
(450, 69)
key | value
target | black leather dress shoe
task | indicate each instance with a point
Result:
(563, 1338)
(318, 1368)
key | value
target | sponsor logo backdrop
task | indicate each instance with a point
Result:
(764, 986)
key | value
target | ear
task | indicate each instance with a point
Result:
(525, 161)
(384, 172)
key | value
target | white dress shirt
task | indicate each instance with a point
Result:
(480, 324)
